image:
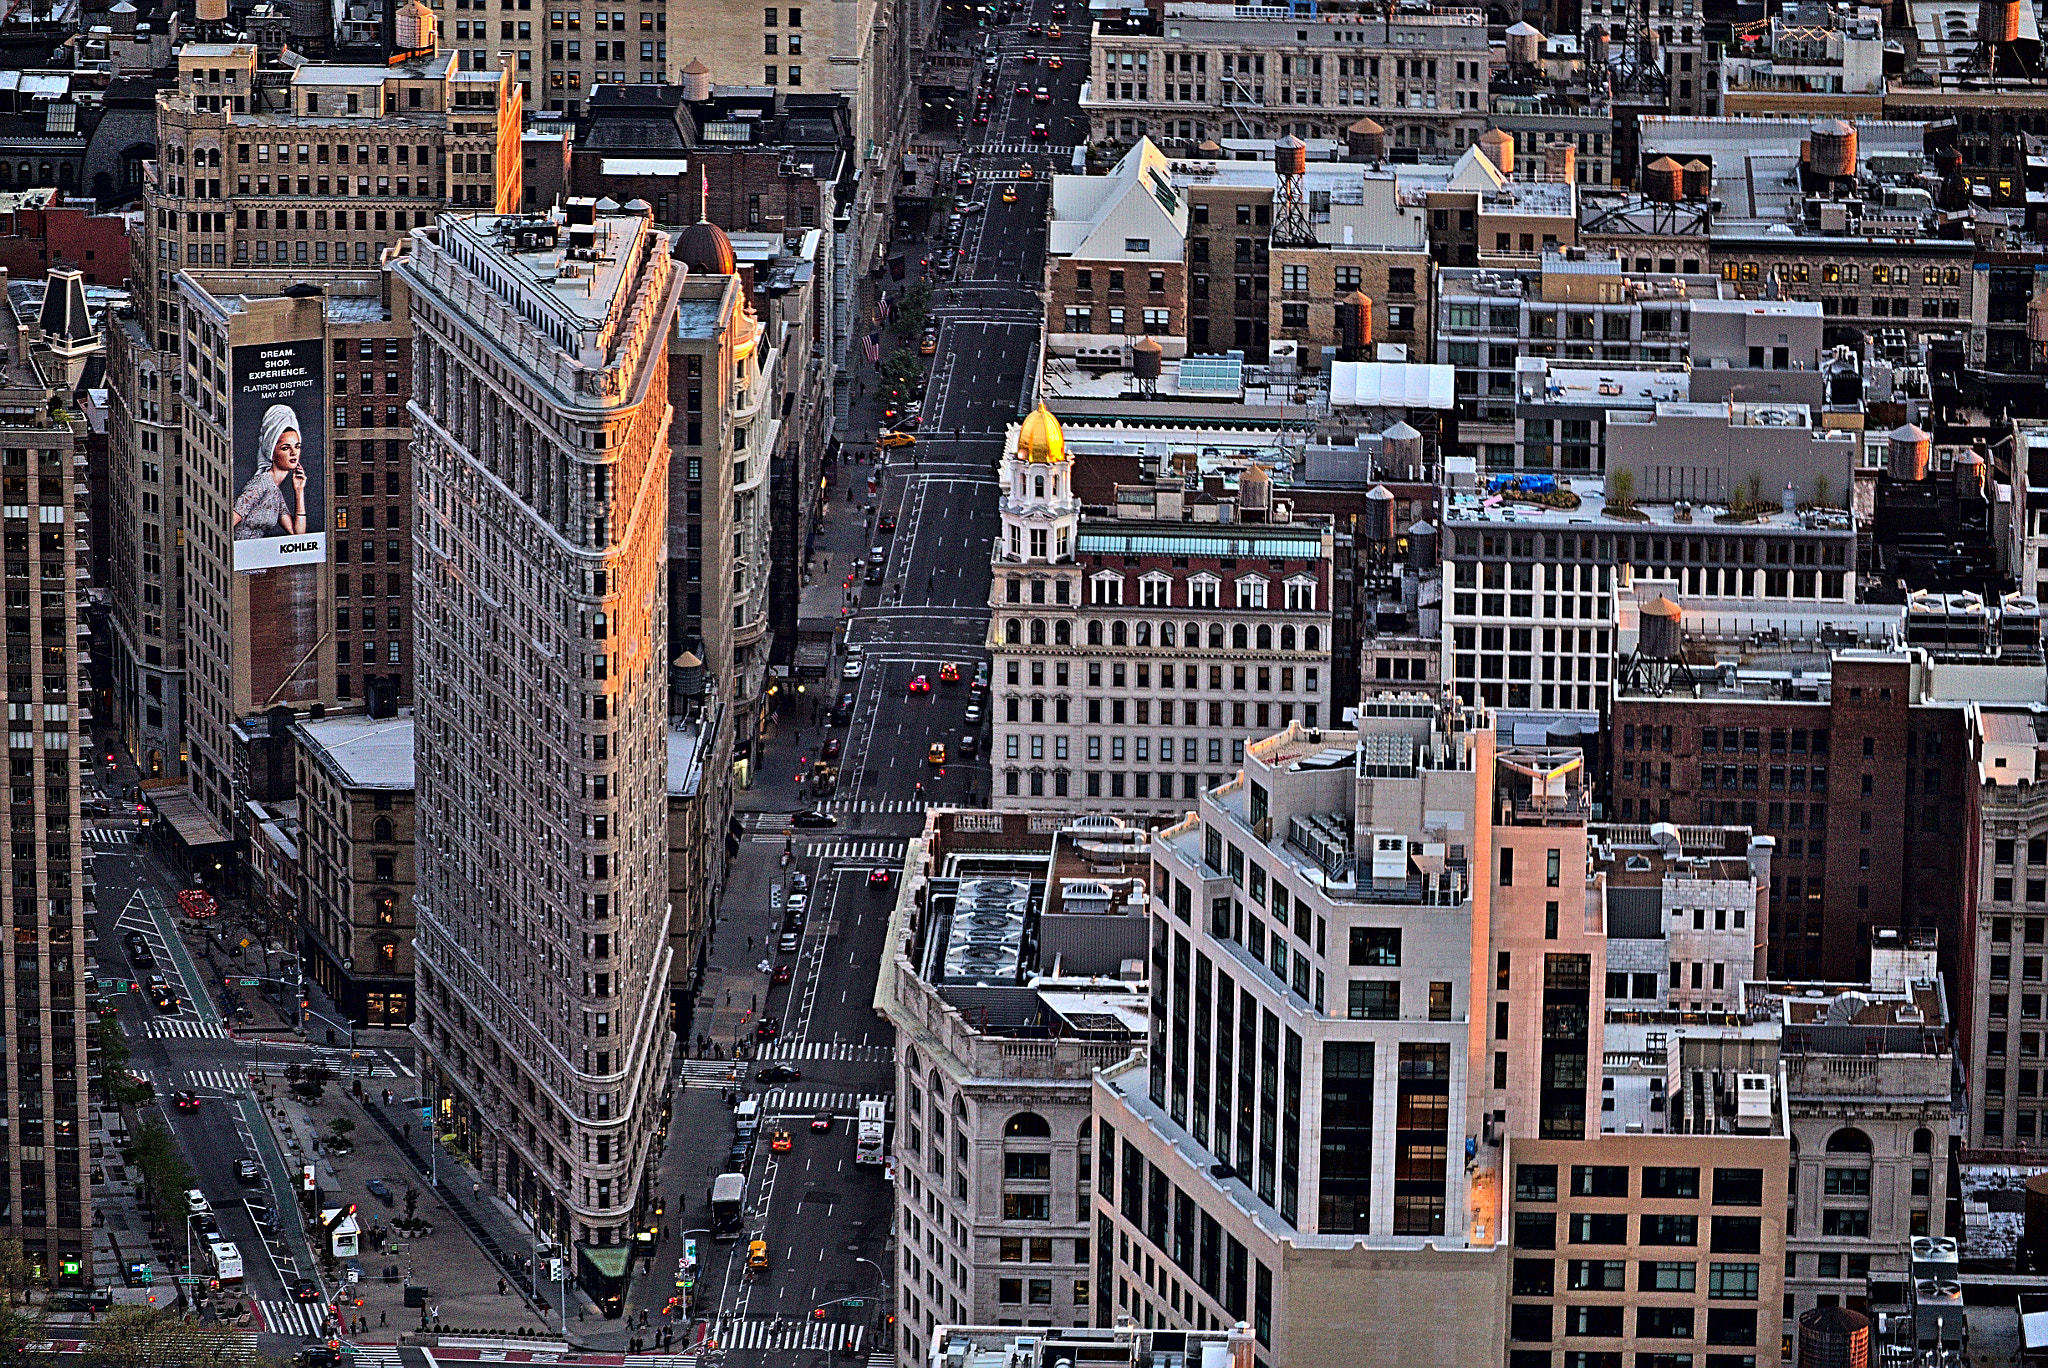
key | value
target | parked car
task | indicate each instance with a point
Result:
(787, 943)
(379, 1189)
(248, 1172)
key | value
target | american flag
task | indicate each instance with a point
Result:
(872, 345)
(884, 308)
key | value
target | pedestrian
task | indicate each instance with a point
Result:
(501, 1287)
(383, 1318)
(475, 1189)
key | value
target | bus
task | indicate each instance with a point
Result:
(226, 1262)
(727, 1192)
(867, 1145)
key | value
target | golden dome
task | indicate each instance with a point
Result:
(1040, 441)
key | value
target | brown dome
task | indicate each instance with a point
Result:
(705, 249)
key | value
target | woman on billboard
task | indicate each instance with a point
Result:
(273, 503)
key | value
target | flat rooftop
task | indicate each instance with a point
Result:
(994, 1346)
(368, 752)
(581, 288)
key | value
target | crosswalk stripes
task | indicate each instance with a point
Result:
(221, 1080)
(384, 1356)
(887, 1360)
(862, 852)
(1023, 149)
(166, 1028)
(110, 835)
(304, 1319)
(749, 1333)
(661, 1360)
(844, 1050)
(809, 1102)
(871, 805)
(712, 1072)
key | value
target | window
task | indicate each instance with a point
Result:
(1732, 1281)
(1664, 1275)
(1737, 1234)
(1599, 1180)
(1378, 947)
(1846, 1182)
(1675, 1184)
(1375, 999)
(1738, 1187)
(1535, 1182)
(1535, 1230)
(1845, 1224)
(1599, 1227)
(1670, 1230)
(1596, 1275)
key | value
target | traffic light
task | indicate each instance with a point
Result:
(817, 1313)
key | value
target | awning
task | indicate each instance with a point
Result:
(187, 819)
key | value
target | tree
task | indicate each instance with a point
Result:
(412, 1201)
(154, 1337)
(1820, 491)
(20, 1320)
(119, 1086)
(165, 1175)
(341, 1126)
(1621, 488)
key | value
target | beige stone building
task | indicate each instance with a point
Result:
(355, 787)
(270, 176)
(1197, 77)
(994, 1148)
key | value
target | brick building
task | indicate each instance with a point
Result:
(1115, 262)
(1867, 789)
(39, 232)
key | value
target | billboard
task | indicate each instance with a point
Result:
(280, 457)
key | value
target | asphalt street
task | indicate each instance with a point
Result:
(827, 1221)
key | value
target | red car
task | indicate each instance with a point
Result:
(949, 673)
(919, 684)
(832, 746)
(781, 973)
(1023, 87)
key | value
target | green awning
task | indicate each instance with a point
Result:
(609, 1260)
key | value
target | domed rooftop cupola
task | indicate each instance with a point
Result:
(1039, 440)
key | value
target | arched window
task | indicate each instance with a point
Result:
(1215, 636)
(1141, 634)
(1063, 633)
(1238, 637)
(1026, 1126)
(1193, 636)
(387, 956)
(1038, 486)
(911, 1063)
(1166, 634)
(380, 830)
(1038, 631)
(1013, 589)
(1118, 634)
(385, 904)
(1287, 638)
(1265, 637)
(1311, 638)
(1013, 632)
(1848, 1140)
(1094, 633)
(1923, 1141)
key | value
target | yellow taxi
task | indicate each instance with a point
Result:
(780, 1142)
(1026, 173)
(949, 673)
(897, 439)
(1052, 33)
(1009, 194)
(1054, 63)
(757, 1254)
(937, 754)
(928, 343)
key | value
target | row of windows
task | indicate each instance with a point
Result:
(1730, 1186)
(1725, 1281)
(1726, 1234)
(1240, 636)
